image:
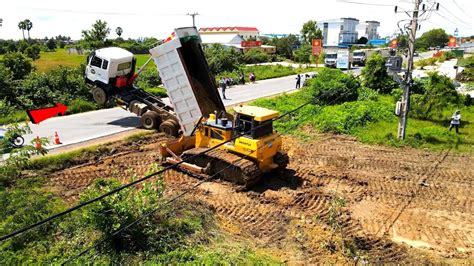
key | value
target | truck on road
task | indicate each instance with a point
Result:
(330, 60)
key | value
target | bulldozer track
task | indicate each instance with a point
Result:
(288, 211)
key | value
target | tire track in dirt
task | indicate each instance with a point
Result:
(289, 211)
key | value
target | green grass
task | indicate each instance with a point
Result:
(50, 60)
(15, 117)
(373, 122)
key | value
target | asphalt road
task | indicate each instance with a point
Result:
(82, 127)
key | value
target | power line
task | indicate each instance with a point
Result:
(462, 10)
(81, 205)
(456, 17)
(447, 19)
(180, 195)
(105, 239)
(362, 3)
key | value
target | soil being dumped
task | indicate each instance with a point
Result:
(383, 204)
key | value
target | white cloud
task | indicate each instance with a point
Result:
(143, 18)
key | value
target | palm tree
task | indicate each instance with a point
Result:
(119, 31)
(22, 27)
(29, 25)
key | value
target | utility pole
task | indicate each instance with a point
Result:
(405, 107)
(193, 15)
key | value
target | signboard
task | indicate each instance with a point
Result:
(452, 42)
(316, 47)
(393, 44)
(343, 58)
(250, 43)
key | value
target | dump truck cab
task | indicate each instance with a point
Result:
(110, 67)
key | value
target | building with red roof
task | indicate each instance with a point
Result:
(245, 32)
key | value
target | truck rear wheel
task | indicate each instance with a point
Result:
(151, 120)
(100, 96)
(170, 127)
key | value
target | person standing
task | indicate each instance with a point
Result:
(242, 78)
(298, 81)
(252, 77)
(223, 87)
(455, 121)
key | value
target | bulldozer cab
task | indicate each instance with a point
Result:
(254, 122)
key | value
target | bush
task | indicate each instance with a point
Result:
(18, 63)
(51, 44)
(62, 85)
(79, 106)
(439, 91)
(148, 78)
(302, 54)
(33, 51)
(375, 75)
(332, 86)
(366, 94)
(345, 118)
(254, 56)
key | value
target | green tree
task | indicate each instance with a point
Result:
(97, 36)
(18, 64)
(33, 51)
(119, 31)
(362, 40)
(438, 92)
(284, 46)
(51, 44)
(375, 75)
(303, 54)
(6, 83)
(310, 31)
(255, 55)
(332, 86)
(221, 58)
(432, 38)
(22, 27)
(28, 26)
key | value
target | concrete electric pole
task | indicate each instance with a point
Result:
(402, 124)
(193, 15)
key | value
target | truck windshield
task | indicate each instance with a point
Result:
(124, 66)
(331, 56)
(359, 54)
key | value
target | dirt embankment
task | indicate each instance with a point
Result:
(401, 205)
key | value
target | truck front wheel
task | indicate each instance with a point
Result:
(151, 120)
(100, 96)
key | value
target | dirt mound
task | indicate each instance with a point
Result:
(394, 199)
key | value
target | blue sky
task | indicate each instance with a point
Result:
(142, 18)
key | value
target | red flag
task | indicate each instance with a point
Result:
(393, 44)
(452, 42)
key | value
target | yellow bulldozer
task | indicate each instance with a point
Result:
(251, 147)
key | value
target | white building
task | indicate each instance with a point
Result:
(369, 30)
(346, 31)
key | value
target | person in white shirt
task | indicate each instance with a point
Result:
(455, 121)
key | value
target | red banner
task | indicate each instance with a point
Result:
(393, 44)
(317, 47)
(452, 42)
(251, 43)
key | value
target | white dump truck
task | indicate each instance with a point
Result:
(183, 71)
